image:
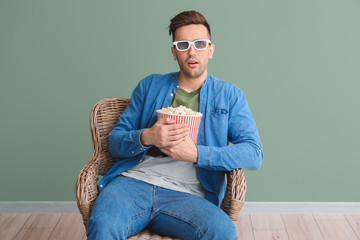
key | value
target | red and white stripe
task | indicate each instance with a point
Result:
(191, 121)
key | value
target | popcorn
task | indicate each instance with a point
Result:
(183, 115)
(182, 110)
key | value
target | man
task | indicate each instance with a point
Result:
(162, 180)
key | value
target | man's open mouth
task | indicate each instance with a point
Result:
(192, 63)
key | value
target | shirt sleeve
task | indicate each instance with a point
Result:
(245, 150)
(124, 138)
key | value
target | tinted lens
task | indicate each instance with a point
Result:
(182, 45)
(200, 44)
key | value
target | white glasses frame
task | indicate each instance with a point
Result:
(191, 43)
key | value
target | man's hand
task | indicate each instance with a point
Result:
(184, 151)
(164, 133)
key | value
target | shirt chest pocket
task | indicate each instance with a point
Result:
(218, 123)
(219, 112)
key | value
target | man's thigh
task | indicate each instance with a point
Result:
(123, 207)
(190, 217)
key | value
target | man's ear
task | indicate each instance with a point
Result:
(173, 53)
(211, 51)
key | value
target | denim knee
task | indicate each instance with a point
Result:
(99, 227)
(220, 228)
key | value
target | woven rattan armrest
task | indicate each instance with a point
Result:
(235, 194)
(86, 188)
(103, 117)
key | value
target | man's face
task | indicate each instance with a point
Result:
(192, 62)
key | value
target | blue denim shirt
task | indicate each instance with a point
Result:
(226, 119)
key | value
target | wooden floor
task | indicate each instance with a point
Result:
(249, 226)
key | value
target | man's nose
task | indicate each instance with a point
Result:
(192, 50)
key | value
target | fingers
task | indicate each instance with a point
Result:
(183, 150)
(166, 121)
(178, 136)
(176, 133)
(175, 142)
(167, 133)
(171, 138)
(172, 123)
(168, 125)
(177, 129)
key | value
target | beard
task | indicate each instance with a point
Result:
(191, 72)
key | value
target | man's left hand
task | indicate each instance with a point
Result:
(184, 151)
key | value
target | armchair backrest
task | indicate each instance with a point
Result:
(104, 115)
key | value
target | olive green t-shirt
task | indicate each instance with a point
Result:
(166, 172)
(189, 100)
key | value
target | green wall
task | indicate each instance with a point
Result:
(298, 62)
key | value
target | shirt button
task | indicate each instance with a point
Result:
(171, 94)
(141, 149)
(101, 186)
(177, 86)
(132, 152)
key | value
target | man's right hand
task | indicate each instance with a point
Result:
(164, 133)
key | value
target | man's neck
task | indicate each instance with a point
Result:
(191, 84)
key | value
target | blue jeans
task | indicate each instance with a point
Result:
(126, 206)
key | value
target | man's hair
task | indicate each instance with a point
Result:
(187, 18)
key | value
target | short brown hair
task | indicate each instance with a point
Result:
(187, 18)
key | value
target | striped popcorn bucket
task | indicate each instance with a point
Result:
(191, 121)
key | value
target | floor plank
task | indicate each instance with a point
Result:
(244, 227)
(268, 226)
(249, 226)
(11, 224)
(301, 227)
(270, 234)
(354, 220)
(70, 226)
(38, 226)
(335, 227)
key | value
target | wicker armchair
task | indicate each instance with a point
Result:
(104, 116)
